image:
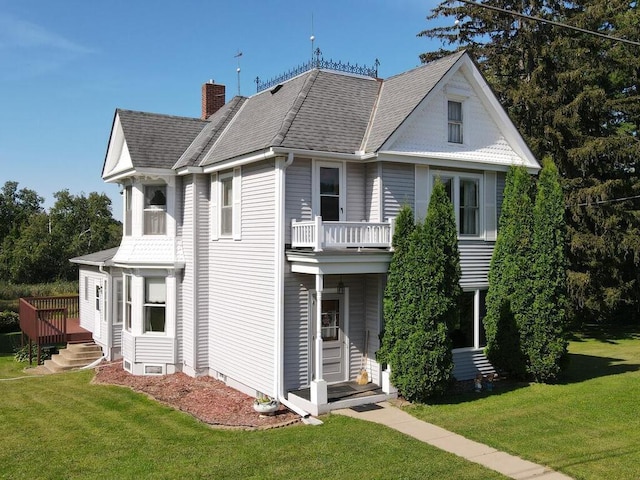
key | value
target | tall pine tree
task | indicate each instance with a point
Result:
(416, 342)
(509, 298)
(545, 335)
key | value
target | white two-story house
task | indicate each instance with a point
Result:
(257, 238)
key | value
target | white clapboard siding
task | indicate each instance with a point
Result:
(475, 258)
(185, 320)
(128, 345)
(398, 188)
(201, 287)
(241, 327)
(356, 175)
(297, 362)
(373, 315)
(298, 202)
(373, 198)
(154, 349)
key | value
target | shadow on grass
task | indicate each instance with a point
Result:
(587, 367)
(464, 395)
(604, 333)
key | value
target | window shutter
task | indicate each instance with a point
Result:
(421, 192)
(490, 220)
(237, 203)
(215, 216)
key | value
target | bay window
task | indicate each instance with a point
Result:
(155, 208)
(155, 295)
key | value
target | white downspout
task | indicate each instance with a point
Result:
(280, 226)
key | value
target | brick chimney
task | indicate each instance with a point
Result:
(212, 98)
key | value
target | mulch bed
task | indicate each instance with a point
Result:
(205, 398)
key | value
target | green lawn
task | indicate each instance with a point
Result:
(588, 426)
(61, 426)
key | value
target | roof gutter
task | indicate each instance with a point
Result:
(299, 152)
(238, 162)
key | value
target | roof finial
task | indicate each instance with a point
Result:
(238, 55)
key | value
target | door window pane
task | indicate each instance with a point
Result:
(330, 327)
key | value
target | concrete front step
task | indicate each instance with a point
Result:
(74, 356)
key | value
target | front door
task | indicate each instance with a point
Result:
(333, 338)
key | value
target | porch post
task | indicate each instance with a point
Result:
(318, 385)
(319, 240)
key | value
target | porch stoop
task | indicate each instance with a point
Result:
(76, 355)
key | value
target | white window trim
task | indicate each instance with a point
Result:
(145, 304)
(462, 100)
(127, 303)
(146, 209)
(456, 176)
(315, 187)
(216, 205)
(476, 321)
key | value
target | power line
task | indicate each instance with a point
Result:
(612, 200)
(551, 22)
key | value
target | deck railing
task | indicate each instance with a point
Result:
(321, 235)
(44, 319)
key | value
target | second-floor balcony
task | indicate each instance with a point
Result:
(320, 235)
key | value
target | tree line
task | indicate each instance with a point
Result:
(576, 98)
(36, 245)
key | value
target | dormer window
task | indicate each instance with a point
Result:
(454, 121)
(155, 208)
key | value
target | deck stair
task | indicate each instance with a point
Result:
(76, 355)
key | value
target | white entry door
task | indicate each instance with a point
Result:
(333, 323)
(97, 331)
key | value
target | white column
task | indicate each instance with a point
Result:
(319, 240)
(318, 385)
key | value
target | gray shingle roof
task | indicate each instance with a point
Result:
(319, 110)
(210, 133)
(401, 94)
(157, 141)
(102, 257)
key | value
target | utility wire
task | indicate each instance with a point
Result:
(551, 22)
(601, 202)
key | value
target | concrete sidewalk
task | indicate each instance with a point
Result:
(504, 463)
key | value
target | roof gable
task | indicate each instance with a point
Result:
(152, 140)
(401, 94)
(489, 135)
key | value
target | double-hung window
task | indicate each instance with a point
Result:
(155, 295)
(454, 121)
(464, 192)
(155, 208)
(226, 204)
(128, 309)
(468, 328)
(127, 209)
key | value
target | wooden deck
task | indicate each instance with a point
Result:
(48, 321)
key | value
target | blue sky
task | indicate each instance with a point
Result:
(66, 65)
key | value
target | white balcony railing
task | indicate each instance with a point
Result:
(321, 235)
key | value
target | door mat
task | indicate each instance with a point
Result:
(369, 407)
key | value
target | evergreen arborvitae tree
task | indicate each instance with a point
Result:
(397, 279)
(417, 345)
(546, 340)
(574, 97)
(509, 298)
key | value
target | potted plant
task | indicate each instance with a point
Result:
(265, 405)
